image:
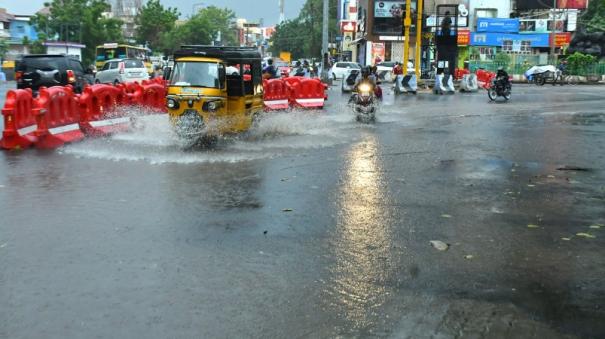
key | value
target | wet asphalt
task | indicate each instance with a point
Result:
(315, 226)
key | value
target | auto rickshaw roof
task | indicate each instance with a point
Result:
(228, 54)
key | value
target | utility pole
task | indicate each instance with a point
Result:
(553, 33)
(324, 41)
(419, 8)
(282, 14)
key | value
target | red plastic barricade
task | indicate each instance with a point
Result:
(310, 93)
(57, 117)
(484, 78)
(133, 93)
(19, 120)
(459, 73)
(276, 94)
(154, 96)
(97, 107)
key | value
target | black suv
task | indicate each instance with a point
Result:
(37, 70)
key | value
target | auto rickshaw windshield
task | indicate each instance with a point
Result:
(196, 74)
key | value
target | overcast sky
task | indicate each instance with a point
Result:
(249, 9)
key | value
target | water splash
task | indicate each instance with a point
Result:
(278, 133)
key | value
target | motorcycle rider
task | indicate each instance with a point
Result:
(299, 71)
(502, 76)
(366, 77)
(270, 72)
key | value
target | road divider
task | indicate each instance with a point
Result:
(19, 120)
(58, 115)
(294, 92)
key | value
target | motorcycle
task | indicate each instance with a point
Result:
(364, 103)
(499, 88)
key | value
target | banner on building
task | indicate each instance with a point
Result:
(464, 37)
(562, 39)
(498, 39)
(497, 25)
(348, 26)
(389, 9)
(378, 52)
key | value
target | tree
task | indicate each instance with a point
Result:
(152, 21)
(290, 36)
(202, 29)
(3, 48)
(80, 21)
(593, 19)
(306, 30)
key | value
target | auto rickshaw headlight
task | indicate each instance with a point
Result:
(172, 104)
(212, 106)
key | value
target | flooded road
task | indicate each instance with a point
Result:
(314, 225)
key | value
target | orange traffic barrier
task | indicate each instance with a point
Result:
(97, 107)
(484, 78)
(154, 96)
(57, 117)
(276, 94)
(19, 120)
(460, 72)
(309, 94)
(133, 93)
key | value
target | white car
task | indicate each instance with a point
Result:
(340, 69)
(117, 71)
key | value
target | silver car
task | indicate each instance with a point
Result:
(117, 71)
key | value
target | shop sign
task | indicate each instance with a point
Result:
(464, 37)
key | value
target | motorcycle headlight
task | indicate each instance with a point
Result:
(364, 88)
(172, 104)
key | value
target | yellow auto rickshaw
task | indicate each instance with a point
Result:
(214, 90)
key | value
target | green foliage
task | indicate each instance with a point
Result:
(152, 21)
(578, 62)
(302, 36)
(202, 29)
(3, 48)
(502, 59)
(593, 19)
(80, 21)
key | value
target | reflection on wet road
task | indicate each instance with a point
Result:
(361, 240)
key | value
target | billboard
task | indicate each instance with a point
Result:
(389, 9)
(545, 4)
(378, 52)
(497, 39)
(497, 25)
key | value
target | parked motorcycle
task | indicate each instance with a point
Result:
(500, 88)
(364, 103)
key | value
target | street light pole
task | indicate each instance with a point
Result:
(419, 8)
(553, 33)
(324, 40)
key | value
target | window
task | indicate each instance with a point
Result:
(134, 63)
(76, 66)
(197, 74)
(507, 46)
(113, 65)
(484, 13)
(106, 66)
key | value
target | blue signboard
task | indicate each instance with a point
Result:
(497, 39)
(493, 25)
